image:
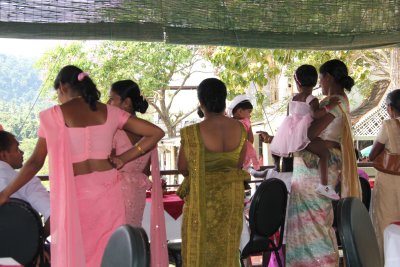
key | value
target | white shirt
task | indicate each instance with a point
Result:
(383, 138)
(33, 192)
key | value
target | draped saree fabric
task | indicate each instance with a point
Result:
(350, 184)
(213, 211)
(158, 245)
(66, 240)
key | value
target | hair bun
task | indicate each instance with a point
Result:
(140, 105)
(347, 82)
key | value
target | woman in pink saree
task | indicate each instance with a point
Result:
(126, 95)
(86, 200)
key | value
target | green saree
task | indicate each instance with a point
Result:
(212, 217)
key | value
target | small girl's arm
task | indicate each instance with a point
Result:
(320, 112)
(250, 136)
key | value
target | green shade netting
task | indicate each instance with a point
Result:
(289, 24)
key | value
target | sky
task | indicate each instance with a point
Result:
(27, 47)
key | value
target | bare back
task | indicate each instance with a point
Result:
(221, 134)
(77, 114)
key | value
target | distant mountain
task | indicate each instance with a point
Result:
(19, 81)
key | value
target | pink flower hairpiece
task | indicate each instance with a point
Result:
(82, 76)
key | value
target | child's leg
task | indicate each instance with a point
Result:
(317, 147)
(277, 162)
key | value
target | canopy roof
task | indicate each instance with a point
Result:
(301, 24)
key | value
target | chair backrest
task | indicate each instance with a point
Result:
(21, 231)
(268, 207)
(365, 193)
(128, 247)
(360, 246)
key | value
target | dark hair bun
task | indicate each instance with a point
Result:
(338, 70)
(140, 104)
(129, 89)
(79, 81)
(347, 82)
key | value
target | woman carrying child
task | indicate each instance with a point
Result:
(292, 134)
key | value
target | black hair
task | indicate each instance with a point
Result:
(6, 140)
(306, 75)
(393, 99)
(245, 104)
(69, 74)
(338, 70)
(129, 89)
(357, 153)
(212, 94)
(200, 113)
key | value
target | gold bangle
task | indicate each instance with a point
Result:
(139, 148)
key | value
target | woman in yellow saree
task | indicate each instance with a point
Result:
(210, 158)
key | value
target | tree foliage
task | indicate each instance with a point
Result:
(239, 67)
(152, 65)
(19, 102)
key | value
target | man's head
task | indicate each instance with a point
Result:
(9, 150)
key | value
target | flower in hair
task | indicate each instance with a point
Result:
(82, 76)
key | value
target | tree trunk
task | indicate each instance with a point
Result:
(395, 68)
(274, 90)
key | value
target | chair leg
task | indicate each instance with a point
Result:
(241, 263)
(278, 258)
(266, 256)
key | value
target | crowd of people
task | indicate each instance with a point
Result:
(101, 155)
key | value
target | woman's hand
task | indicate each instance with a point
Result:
(117, 162)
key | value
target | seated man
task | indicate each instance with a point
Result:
(11, 158)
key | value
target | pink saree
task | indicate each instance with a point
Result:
(158, 245)
(86, 209)
(134, 184)
(66, 238)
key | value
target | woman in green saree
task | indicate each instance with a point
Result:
(210, 158)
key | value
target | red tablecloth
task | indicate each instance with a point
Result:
(172, 204)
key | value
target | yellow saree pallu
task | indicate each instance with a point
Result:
(212, 217)
(350, 184)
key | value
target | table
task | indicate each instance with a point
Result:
(173, 206)
(391, 237)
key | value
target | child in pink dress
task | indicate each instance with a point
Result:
(240, 109)
(292, 134)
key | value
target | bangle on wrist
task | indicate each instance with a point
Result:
(139, 148)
